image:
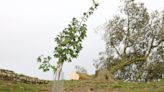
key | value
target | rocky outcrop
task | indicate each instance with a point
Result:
(14, 77)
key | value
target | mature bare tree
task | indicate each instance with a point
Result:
(134, 40)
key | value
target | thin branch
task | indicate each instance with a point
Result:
(158, 43)
(127, 35)
(151, 47)
(117, 51)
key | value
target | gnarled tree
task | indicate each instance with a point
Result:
(134, 41)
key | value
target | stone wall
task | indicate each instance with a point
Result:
(14, 77)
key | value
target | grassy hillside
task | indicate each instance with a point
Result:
(84, 86)
(7, 86)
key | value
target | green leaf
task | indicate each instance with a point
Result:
(39, 59)
(59, 49)
(49, 58)
(56, 55)
(66, 40)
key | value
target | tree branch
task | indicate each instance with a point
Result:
(151, 47)
(117, 51)
(158, 43)
(124, 64)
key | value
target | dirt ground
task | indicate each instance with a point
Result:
(89, 86)
(90, 90)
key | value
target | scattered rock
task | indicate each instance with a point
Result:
(14, 77)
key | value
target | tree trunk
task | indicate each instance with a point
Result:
(58, 72)
(104, 76)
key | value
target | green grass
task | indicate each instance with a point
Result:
(119, 86)
(135, 87)
(6, 86)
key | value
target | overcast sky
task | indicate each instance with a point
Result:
(28, 29)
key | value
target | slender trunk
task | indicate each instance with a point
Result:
(58, 72)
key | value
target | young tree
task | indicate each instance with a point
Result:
(134, 39)
(69, 43)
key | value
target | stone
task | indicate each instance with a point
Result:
(12, 76)
(74, 76)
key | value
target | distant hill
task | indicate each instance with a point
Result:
(9, 75)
